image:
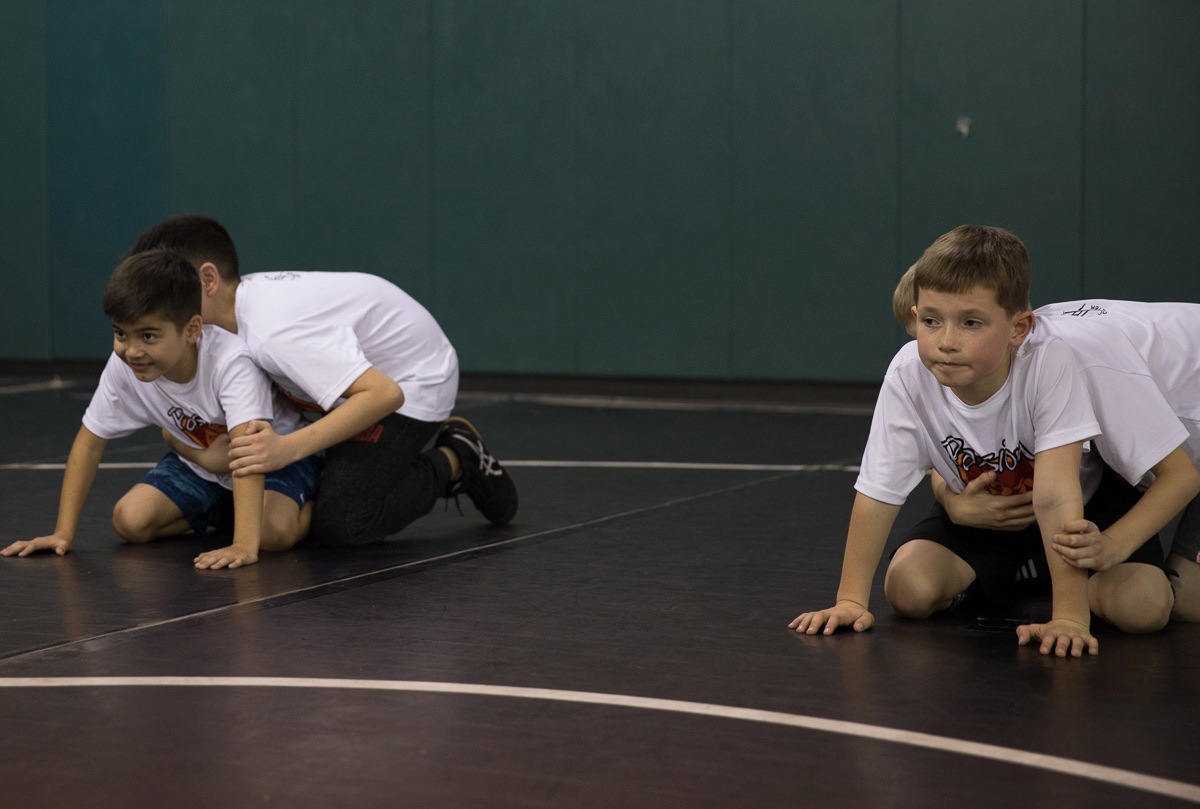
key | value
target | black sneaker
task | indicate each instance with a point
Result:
(483, 479)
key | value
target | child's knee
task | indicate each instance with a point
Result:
(283, 525)
(1139, 604)
(1155, 603)
(909, 589)
(277, 537)
(923, 578)
(129, 524)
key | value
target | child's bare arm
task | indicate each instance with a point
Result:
(82, 464)
(247, 522)
(213, 458)
(1176, 482)
(371, 397)
(1057, 500)
(870, 523)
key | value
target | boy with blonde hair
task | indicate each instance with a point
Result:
(196, 382)
(973, 395)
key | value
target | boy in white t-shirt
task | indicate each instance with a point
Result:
(374, 362)
(195, 382)
(973, 396)
(1141, 362)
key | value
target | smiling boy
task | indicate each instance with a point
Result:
(973, 396)
(196, 382)
(377, 368)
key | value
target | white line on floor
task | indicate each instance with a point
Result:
(706, 467)
(60, 466)
(720, 467)
(1008, 755)
(30, 387)
(693, 405)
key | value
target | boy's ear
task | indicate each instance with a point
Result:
(210, 278)
(193, 328)
(1022, 325)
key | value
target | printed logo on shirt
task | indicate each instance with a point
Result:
(1086, 309)
(1013, 468)
(282, 276)
(195, 427)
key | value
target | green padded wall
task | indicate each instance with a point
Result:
(815, 193)
(24, 195)
(653, 185)
(1015, 69)
(502, 199)
(1142, 146)
(362, 140)
(709, 188)
(231, 88)
(107, 154)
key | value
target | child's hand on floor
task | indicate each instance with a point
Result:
(58, 544)
(844, 613)
(230, 557)
(1060, 637)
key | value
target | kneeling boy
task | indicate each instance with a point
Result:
(169, 370)
(970, 396)
(1143, 375)
(378, 367)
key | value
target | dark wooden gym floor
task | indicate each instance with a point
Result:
(623, 643)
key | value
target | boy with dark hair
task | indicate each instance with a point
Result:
(1142, 370)
(192, 380)
(374, 362)
(973, 395)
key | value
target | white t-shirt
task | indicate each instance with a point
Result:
(227, 390)
(314, 333)
(1141, 362)
(920, 425)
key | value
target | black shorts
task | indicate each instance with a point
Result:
(1011, 565)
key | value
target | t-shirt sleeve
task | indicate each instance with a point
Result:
(321, 362)
(244, 391)
(895, 458)
(1061, 403)
(115, 410)
(1139, 425)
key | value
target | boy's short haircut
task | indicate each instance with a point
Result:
(976, 255)
(199, 238)
(154, 282)
(904, 299)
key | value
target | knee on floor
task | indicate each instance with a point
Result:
(1142, 609)
(910, 591)
(130, 525)
(278, 534)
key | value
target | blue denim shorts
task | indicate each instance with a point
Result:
(206, 504)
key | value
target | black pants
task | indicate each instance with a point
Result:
(377, 482)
